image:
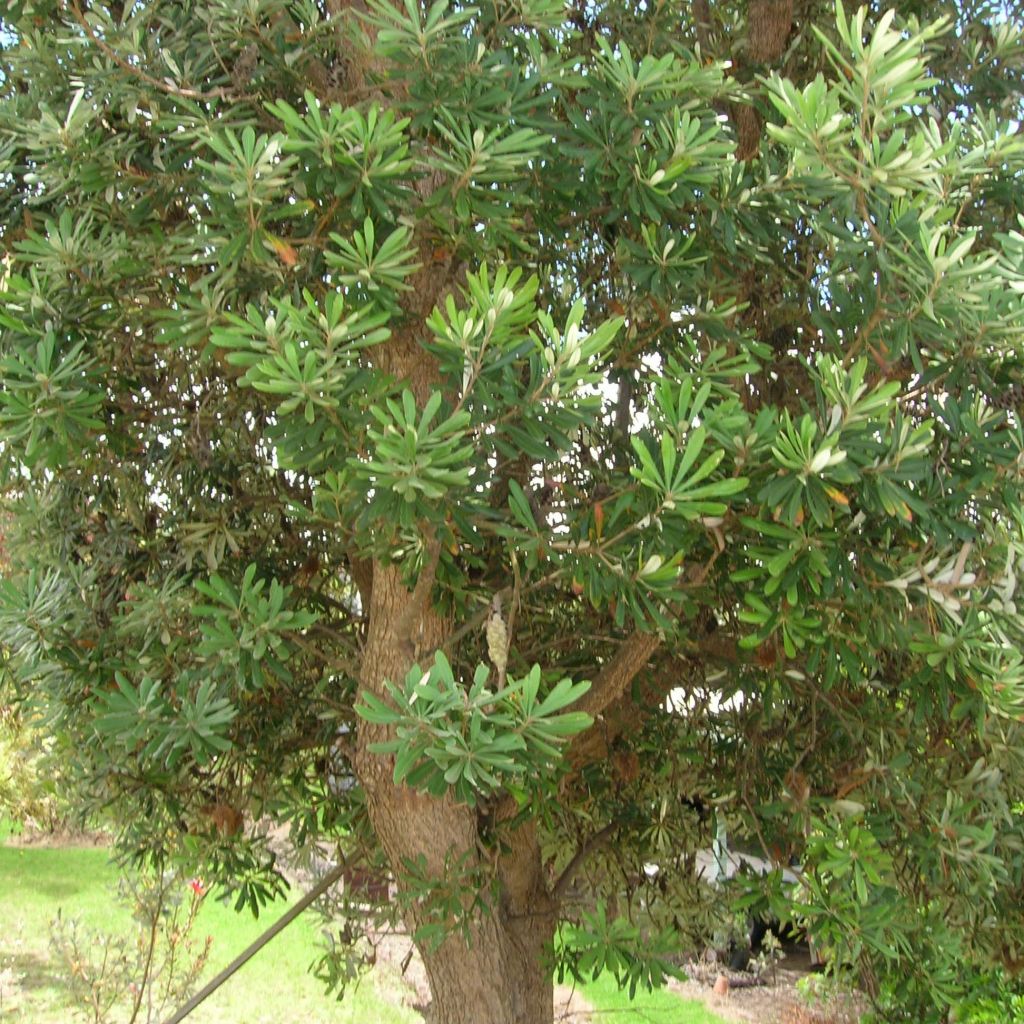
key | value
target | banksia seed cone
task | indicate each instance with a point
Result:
(497, 640)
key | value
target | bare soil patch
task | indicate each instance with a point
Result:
(775, 1000)
(61, 838)
(571, 1007)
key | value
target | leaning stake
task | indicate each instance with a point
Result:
(254, 947)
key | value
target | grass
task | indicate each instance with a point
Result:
(657, 1007)
(273, 987)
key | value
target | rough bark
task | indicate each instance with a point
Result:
(769, 23)
(621, 669)
(497, 973)
(748, 131)
(768, 26)
(608, 698)
(493, 971)
(702, 23)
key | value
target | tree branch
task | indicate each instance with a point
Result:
(611, 682)
(607, 690)
(411, 615)
(598, 839)
(625, 715)
(702, 23)
(166, 86)
(361, 571)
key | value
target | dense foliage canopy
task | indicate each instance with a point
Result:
(504, 440)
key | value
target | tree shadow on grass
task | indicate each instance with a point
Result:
(32, 970)
(57, 889)
(29, 982)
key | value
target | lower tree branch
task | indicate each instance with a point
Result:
(333, 876)
(361, 571)
(598, 839)
(607, 690)
(624, 715)
(611, 682)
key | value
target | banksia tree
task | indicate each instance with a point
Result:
(506, 441)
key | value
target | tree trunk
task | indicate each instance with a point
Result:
(502, 976)
(498, 972)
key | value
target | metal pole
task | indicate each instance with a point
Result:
(278, 926)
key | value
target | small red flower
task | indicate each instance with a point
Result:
(197, 886)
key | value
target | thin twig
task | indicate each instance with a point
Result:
(146, 984)
(171, 88)
(481, 617)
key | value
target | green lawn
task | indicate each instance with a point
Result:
(657, 1007)
(274, 987)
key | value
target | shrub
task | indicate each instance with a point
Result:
(143, 974)
(30, 796)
